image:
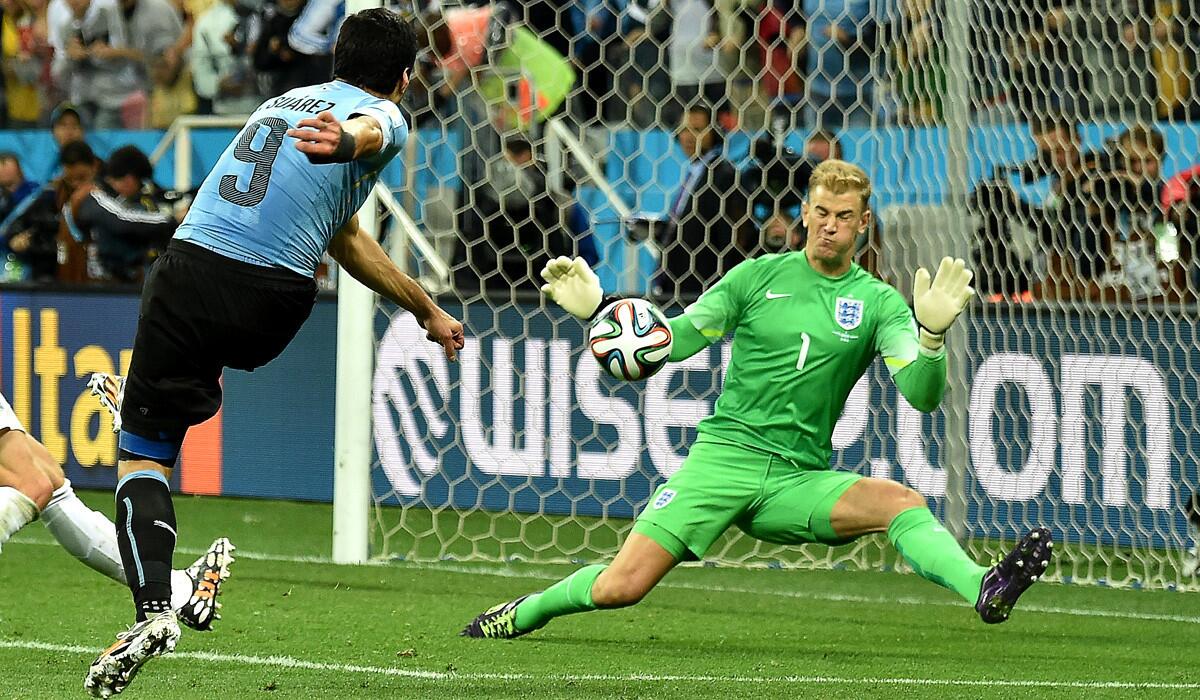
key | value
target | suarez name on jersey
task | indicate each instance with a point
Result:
(265, 203)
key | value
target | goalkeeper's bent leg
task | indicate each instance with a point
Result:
(570, 595)
(637, 568)
(934, 553)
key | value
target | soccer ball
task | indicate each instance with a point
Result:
(630, 339)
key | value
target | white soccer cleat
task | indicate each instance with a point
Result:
(207, 574)
(116, 666)
(110, 390)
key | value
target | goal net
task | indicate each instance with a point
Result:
(1048, 143)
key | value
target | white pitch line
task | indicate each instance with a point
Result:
(289, 662)
(543, 574)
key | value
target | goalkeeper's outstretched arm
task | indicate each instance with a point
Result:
(920, 372)
(572, 285)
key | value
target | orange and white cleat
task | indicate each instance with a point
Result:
(207, 574)
(116, 666)
(109, 389)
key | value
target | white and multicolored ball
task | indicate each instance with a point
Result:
(630, 339)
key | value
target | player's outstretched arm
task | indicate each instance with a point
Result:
(367, 262)
(919, 368)
(324, 139)
(938, 302)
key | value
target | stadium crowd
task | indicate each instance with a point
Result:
(699, 68)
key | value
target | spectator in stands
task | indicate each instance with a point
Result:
(1166, 43)
(154, 28)
(1112, 254)
(821, 145)
(125, 216)
(1182, 29)
(1029, 59)
(220, 66)
(780, 31)
(917, 52)
(279, 67)
(842, 40)
(640, 61)
(91, 61)
(1020, 213)
(709, 214)
(595, 27)
(25, 56)
(14, 187)
(1181, 204)
(313, 34)
(171, 92)
(519, 77)
(514, 227)
(66, 126)
(780, 232)
(38, 236)
(692, 49)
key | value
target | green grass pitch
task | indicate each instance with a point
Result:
(296, 626)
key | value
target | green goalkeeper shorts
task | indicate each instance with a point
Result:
(722, 484)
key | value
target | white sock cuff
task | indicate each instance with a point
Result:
(25, 506)
(61, 493)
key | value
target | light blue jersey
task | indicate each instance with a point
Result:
(265, 203)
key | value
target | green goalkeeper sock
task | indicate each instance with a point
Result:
(571, 595)
(934, 553)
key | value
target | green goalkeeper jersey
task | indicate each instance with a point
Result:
(801, 341)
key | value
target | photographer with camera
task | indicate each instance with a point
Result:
(36, 232)
(777, 181)
(124, 218)
(1112, 248)
(1022, 210)
(709, 218)
(514, 228)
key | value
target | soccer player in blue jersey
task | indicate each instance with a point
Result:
(236, 283)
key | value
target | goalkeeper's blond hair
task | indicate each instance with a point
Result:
(839, 177)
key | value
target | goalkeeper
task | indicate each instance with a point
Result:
(806, 325)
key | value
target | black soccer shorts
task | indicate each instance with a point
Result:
(202, 312)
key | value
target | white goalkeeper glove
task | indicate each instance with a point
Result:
(572, 285)
(937, 303)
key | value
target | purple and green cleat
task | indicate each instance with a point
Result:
(1013, 575)
(499, 622)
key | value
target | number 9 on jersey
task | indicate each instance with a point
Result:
(630, 339)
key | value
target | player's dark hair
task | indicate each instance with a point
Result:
(374, 48)
(129, 160)
(76, 153)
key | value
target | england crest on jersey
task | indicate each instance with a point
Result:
(848, 313)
